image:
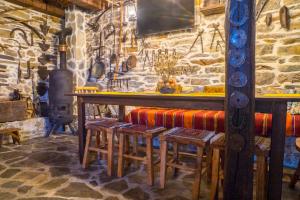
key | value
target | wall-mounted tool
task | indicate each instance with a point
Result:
(43, 72)
(44, 28)
(268, 19)
(28, 75)
(201, 41)
(216, 31)
(284, 17)
(34, 30)
(44, 46)
(259, 8)
(23, 34)
(219, 46)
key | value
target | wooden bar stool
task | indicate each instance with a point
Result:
(106, 128)
(262, 150)
(13, 132)
(138, 131)
(182, 136)
(296, 175)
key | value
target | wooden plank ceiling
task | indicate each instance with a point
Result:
(56, 7)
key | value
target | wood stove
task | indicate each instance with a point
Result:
(60, 83)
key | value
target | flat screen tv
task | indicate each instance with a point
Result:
(157, 16)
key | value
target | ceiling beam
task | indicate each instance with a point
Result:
(40, 6)
(89, 4)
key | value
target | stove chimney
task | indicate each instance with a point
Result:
(62, 35)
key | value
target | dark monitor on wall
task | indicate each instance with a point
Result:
(158, 16)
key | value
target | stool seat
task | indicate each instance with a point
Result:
(142, 130)
(188, 136)
(262, 144)
(103, 124)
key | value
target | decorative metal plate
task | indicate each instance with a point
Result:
(238, 100)
(238, 119)
(239, 15)
(238, 79)
(237, 57)
(236, 142)
(238, 38)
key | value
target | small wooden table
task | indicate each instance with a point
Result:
(276, 105)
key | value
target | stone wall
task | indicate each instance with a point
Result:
(28, 52)
(277, 52)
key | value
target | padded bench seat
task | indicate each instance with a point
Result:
(205, 120)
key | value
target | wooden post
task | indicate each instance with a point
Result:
(240, 99)
(81, 127)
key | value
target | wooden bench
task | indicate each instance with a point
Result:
(13, 132)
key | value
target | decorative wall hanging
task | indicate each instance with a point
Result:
(284, 17)
(240, 70)
(269, 19)
(259, 8)
(45, 28)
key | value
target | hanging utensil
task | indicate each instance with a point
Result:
(19, 72)
(43, 72)
(44, 28)
(43, 59)
(98, 69)
(28, 75)
(43, 46)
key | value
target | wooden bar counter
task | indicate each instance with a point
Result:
(273, 104)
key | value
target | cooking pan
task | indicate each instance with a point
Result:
(98, 68)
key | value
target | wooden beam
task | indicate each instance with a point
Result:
(40, 6)
(89, 4)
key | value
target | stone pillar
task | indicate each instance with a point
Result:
(76, 54)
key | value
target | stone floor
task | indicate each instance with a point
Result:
(48, 169)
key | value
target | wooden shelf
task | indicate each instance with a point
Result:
(213, 9)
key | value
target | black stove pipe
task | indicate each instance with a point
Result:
(63, 46)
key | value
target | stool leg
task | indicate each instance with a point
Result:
(135, 149)
(98, 143)
(110, 152)
(86, 150)
(163, 163)
(127, 151)
(215, 174)
(295, 177)
(209, 153)
(261, 177)
(149, 155)
(196, 186)
(105, 142)
(120, 156)
(175, 158)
